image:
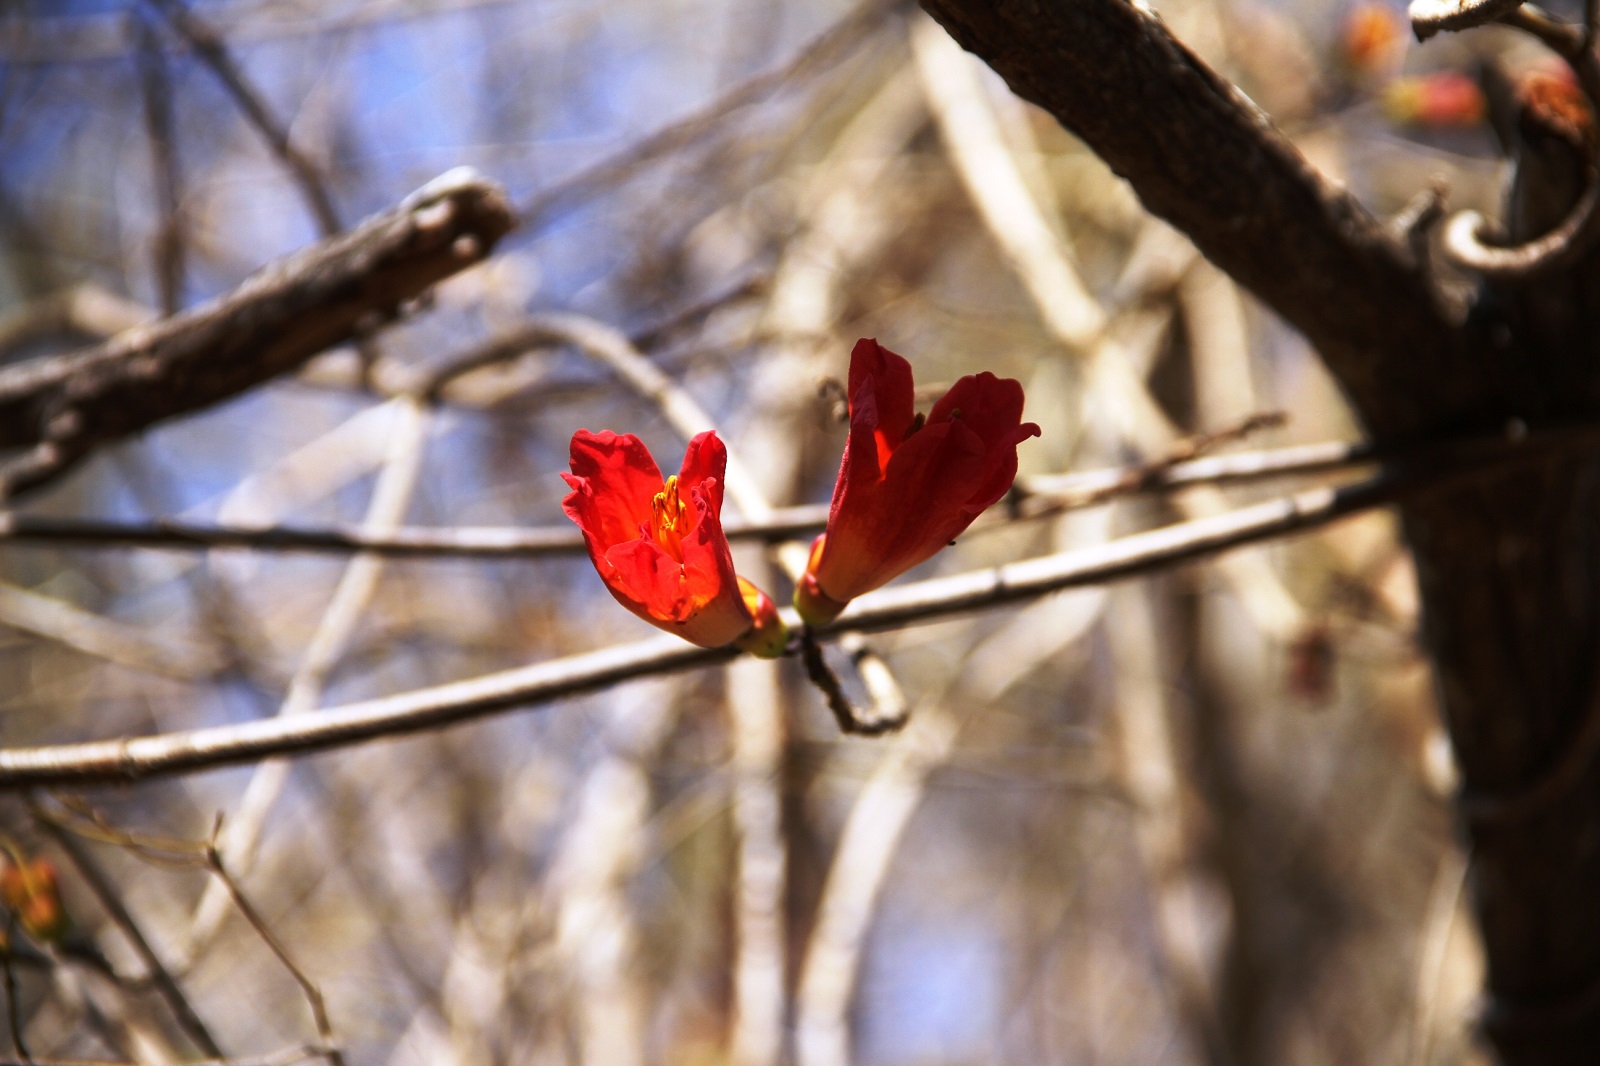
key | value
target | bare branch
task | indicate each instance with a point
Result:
(135, 758)
(831, 46)
(319, 1010)
(1429, 17)
(330, 293)
(94, 634)
(106, 892)
(1465, 235)
(209, 46)
(155, 83)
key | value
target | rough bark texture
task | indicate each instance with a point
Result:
(60, 407)
(1509, 566)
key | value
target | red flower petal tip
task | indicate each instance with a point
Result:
(908, 485)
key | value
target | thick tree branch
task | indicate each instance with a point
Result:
(135, 758)
(63, 406)
(1206, 159)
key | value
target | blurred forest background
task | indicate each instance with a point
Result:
(1196, 817)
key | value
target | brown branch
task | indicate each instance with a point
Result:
(1035, 495)
(1572, 238)
(105, 891)
(155, 84)
(1429, 17)
(332, 292)
(135, 758)
(849, 717)
(1206, 159)
(461, 542)
(319, 1009)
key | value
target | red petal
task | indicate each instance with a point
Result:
(992, 408)
(613, 480)
(705, 463)
(882, 403)
(880, 531)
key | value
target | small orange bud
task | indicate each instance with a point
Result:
(1373, 38)
(29, 889)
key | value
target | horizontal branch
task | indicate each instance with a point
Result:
(1035, 494)
(60, 407)
(1054, 491)
(483, 542)
(135, 758)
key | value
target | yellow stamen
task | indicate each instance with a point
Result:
(671, 517)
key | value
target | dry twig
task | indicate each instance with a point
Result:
(60, 407)
(134, 758)
(319, 1010)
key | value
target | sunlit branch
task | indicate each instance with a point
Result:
(1041, 493)
(213, 51)
(134, 758)
(60, 408)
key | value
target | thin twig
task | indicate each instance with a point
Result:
(850, 719)
(404, 542)
(827, 682)
(1053, 492)
(319, 1010)
(63, 406)
(105, 891)
(391, 497)
(135, 758)
(155, 83)
(213, 51)
(591, 181)
(286, 1057)
(13, 1007)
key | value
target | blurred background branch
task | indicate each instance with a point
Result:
(1154, 799)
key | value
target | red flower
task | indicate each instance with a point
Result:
(907, 486)
(659, 546)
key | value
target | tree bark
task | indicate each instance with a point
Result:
(61, 407)
(1509, 565)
